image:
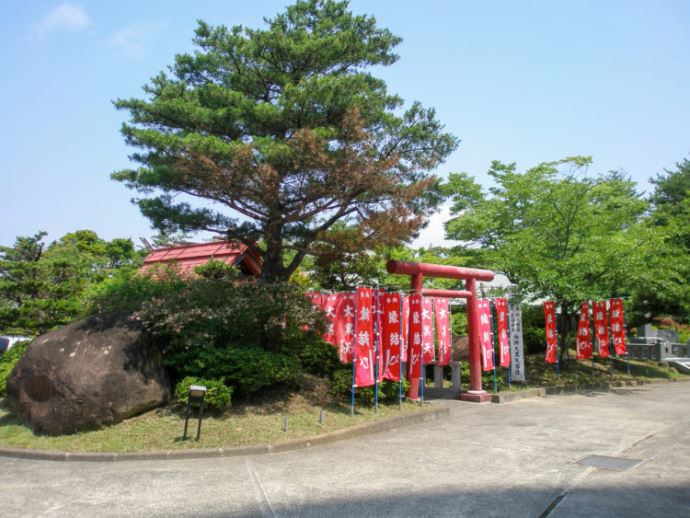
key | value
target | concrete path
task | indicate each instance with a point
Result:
(514, 460)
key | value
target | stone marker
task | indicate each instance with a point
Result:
(93, 372)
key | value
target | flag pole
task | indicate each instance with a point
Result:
(493, 349)
(377, 333)
(400, 346)
(422, 374)
(558, 361)
(354, 360)
(591, 342)
(421, 356)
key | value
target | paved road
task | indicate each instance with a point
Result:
(516, 459)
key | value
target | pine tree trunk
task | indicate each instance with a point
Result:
(273, 268)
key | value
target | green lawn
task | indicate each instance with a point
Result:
(162, 429)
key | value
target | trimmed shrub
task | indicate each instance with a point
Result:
(319, 358)
(247, 332)
(341, 383)
(252, 334)
(217, 397)
(7, 362)
(247, 369)
(128, 290)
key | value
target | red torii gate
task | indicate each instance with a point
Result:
(416, 271)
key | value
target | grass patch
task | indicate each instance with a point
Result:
(572, 372)
(162, 429)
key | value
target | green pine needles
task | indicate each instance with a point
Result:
(271, 136)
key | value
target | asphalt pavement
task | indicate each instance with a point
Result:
(517, 459)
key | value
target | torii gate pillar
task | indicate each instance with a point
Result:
(416, 271)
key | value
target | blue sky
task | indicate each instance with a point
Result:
(516, 81)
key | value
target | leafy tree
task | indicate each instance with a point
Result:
(285, 133)
(666, 291)
(672, 188)
(42, 287)
(556, 232)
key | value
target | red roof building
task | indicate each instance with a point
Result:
(187, 257)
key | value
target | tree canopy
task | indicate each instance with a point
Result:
(42, 287)
(665, 291)
(273, 135)
(556, 231)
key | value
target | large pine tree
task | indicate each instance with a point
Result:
(271, 136)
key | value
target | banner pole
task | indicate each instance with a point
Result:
(354, 360)
(422, 370)
(377, 333)
(494, 322)
(558, 362)
(592, 337)
(354, 363)
(422, 375)
(400, 350)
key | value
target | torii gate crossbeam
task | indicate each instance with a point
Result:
(417, 271)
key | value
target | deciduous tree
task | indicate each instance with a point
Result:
(555, 231)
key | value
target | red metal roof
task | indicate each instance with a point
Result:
(188, 257)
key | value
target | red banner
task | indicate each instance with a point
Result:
(428, 330)
(601, 328)
(442, 311)
(415, 338)
(405, 326)
(618, 326)
(502, 330)
(391, 338)
(551, 335)
(583, 342)
(344, 328)
(485, 334)
(328, 306)
(364, 349)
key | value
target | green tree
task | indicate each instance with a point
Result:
(20, 279)
(286, 133)
(666, 291)
(555, 231)
(42, 287)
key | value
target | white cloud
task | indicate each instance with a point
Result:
(64, 16)
(135, 39)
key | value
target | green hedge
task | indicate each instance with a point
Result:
(7, 362)
(217, 397)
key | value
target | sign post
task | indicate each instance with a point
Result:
(517, 354)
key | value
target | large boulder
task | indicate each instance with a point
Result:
(93, 372)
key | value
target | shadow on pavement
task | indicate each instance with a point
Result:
(661, 500)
